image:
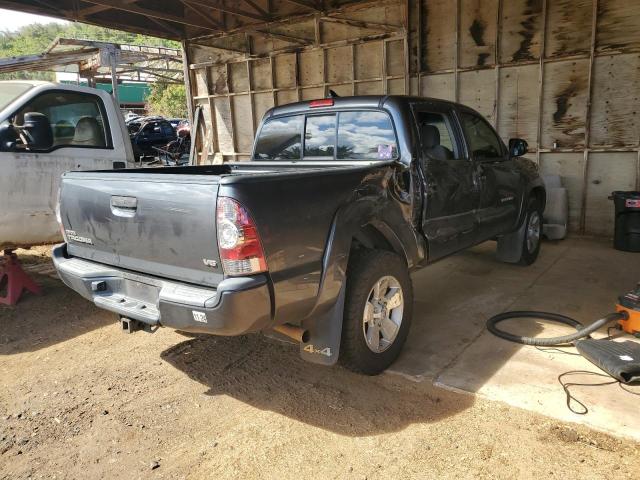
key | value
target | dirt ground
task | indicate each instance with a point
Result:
(80, 399)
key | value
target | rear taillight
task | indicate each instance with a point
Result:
(238, 241)
(59, 218)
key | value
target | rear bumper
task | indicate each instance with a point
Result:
(235, 307)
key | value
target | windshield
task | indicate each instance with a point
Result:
(346, 135)
(10, 91)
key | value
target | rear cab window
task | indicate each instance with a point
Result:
(362, 135)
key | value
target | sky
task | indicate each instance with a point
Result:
(12, 20)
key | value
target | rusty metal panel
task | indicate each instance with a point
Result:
(344, 89)
(519, 103)
(218, 83)
(478, 32)
(201, 81)
(439, 35)
(261, 78)
(311, 67)
(438, 86)
(615, 110)
(618, 25)
(395, 58)
(607, 172)
(311, 93)
(238, 77)
(568, 27)
(369, 88)
(478, 91)
(521, 22)
(285, 70)
(396, 86)
(224, 125)
(369, 61)
(564, 104)
(242, 123)
(261, 103)
(286, 96)
(387, 14)
(570, 166)
(339, 64)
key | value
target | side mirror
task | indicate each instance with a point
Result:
(518, 147)
(37, 131)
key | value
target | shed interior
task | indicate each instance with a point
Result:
(563, 74)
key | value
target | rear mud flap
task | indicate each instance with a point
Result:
(325, 332)
(510, 246)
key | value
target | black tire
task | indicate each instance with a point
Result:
(365, 269)
(529, 255)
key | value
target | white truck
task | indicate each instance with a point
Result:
(47, 129)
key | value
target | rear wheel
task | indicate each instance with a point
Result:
(378, 310)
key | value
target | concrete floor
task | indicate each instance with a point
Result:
(449, 345)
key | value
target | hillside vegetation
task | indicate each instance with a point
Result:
(169, 100)
(33, 39)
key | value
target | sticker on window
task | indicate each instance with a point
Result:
(385, 152)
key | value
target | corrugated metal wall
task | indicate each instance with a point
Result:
(563, 74)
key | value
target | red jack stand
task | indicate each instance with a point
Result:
(15, 278)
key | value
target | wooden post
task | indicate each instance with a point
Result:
(187, 79)
(541, 78)
(587, 122)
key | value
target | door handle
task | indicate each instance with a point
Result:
(122, 206)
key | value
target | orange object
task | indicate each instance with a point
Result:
(632, 324)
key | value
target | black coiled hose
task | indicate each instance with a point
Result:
(582, 331)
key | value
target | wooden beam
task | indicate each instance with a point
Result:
(301, 17)
(257, 8)
(167, 26)
(587, 122)
(96, 9)
(310, 4)
(279, 36)
(361, 24)
(220, 7)
(197, 9)
(127, 6)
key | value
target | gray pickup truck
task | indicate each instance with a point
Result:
(315, 238)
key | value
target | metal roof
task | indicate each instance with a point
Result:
(132, 62)
(181, 19)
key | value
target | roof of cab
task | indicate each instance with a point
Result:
(362, 101)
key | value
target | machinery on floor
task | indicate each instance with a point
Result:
(620, 360)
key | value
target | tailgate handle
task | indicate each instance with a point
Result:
(124, 206)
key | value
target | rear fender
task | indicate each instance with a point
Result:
(324, 324)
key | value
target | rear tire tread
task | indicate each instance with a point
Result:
(364, 269)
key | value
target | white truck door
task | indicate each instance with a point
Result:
(82, 140)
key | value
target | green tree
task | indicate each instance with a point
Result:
(168, 100)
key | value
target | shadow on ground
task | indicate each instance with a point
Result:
(39, 321)
(271, 376)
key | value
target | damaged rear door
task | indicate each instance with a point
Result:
(451, 194)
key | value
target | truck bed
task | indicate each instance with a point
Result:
(159, 221)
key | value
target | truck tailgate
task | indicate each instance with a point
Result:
(159, 224)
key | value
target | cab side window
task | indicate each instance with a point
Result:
(151, 129)
(75, 119)
(436, 137)
(483, 141)
(167, 129)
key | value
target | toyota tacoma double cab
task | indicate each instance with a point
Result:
(315, 238)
